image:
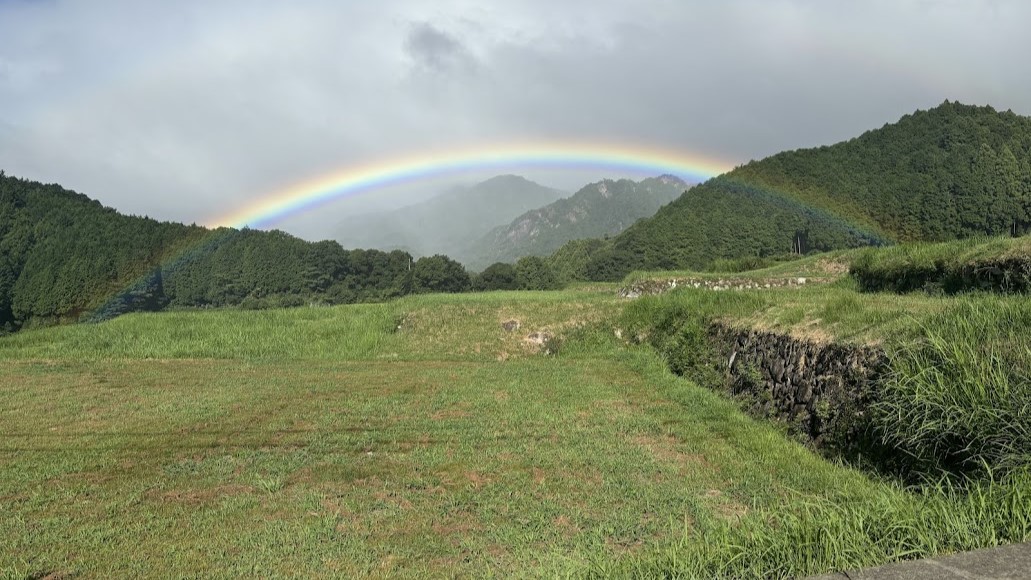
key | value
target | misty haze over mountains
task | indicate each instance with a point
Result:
(449, 223)
(508, 217)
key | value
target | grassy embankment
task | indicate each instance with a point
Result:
(990, 264)
(420, 438)
(957, 400)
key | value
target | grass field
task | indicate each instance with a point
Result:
(420, 438)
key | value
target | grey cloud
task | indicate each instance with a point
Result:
(436, 50)
(187, 110)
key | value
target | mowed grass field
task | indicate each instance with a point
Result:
(411, 439)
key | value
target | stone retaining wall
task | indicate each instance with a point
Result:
(651, 287)
(822, 390)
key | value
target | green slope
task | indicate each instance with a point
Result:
(62, 254)
(65, 257)
(600, 209)
(954, 171)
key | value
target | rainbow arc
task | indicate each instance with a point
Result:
(308, 195)
(366, 179)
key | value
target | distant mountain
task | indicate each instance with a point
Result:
(600, 209)
(954, 171)
(450, 223)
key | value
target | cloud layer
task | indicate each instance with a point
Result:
(186, 110)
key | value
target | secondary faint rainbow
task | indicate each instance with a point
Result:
(310, 194)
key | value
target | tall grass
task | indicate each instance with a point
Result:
(812, 535)
(959, 396)
(999, 264)
(676, 326)
(747, 263)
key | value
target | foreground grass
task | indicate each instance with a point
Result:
(419, 438)
(331, 442)
(956, 403)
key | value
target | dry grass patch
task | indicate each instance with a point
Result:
(666, 449)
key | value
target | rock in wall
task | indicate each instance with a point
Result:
(660, 286)
(822, 390)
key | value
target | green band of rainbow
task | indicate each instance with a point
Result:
(308, 195)
(311, 194)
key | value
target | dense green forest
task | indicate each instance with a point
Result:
(599, 209)
(955, 171)
(65, 258)
(62, 254)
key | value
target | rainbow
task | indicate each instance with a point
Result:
(308, 195)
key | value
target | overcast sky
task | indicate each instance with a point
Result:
(186, 110)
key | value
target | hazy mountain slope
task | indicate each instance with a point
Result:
(65, 257)
(951, 172)
(450, 223)
(599, 209)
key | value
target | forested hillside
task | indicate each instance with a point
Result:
(452, 223)
(954, 171)
(62, 254)
(65, 257)
(597, 210)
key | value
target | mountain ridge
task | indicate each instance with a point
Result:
(602, 208)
